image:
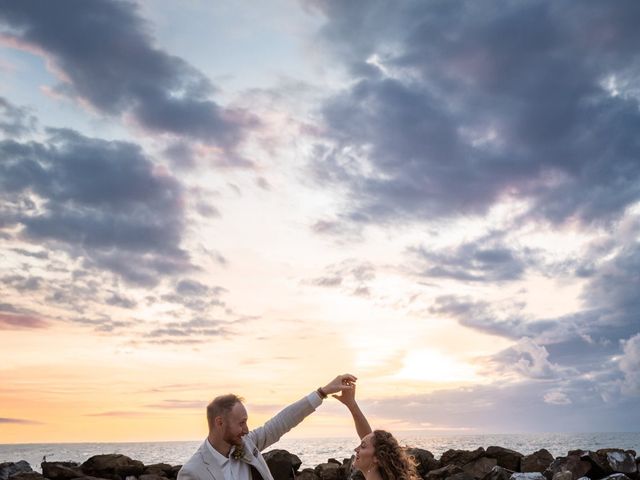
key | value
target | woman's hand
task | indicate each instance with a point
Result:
(347, 396)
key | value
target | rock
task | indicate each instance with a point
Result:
(461, 476)
(88, 477)
(617, 476)
(26, 476)
(527, 476)
(307, 474)
(282, 464)
(599, 466)
(536, 462)
(425, 461)
(329, 471)
(10, 468)
(480, 467)
(161, 469)
(61, 470)
(619, 460)
(498, 473)
(509, 459)
(112, 466)
(173, 473)
(571, 463)
(566, 475)
(460, 457)
(333, 460)
(443, 472)
(151, 476)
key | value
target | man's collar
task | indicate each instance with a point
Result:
(217, 456)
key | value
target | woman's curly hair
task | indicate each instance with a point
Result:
(393, 462)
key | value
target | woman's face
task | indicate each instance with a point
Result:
(365, 454)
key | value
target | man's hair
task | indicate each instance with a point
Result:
(221, 406)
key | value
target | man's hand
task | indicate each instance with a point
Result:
(347, 396)
(340, 384)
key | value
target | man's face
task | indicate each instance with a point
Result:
(234, 425)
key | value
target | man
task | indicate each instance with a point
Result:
(232, 452)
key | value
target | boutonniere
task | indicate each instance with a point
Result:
(238, 452)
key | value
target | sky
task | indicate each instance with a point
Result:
(440, 197)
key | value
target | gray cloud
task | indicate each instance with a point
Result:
(530, 405)
(14, 318)
(195, 295)
(456, 105)
(18, 421)
(103, 201)
(108, 59)
(15, 121)
(198, 328)
(352, 275)
(477, 261)
(630, 364)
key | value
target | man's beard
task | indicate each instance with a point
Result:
(232, 440)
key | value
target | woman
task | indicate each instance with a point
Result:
(378, 457)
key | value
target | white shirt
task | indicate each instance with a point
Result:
(232, 469)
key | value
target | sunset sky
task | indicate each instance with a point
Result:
(198, 197)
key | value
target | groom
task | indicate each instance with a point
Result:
(232, 452)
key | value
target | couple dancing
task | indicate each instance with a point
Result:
(232, 452)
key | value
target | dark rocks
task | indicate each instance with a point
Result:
(307, 474)
(620, 461)
(282, 464)
(480, 467)
(509, 459)
(460, 457)
(570, 463)
(617, 476)
(112, 466)
(461, 476)
(329, 471)
(160, 469)
(151, 476)
(536, 462)
(425, 461)
(599, 466)
(8, 469)
(498, 473)
(61, 470)
(527, 476)
(27, 476)
(443, 472)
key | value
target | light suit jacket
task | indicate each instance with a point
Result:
(203, 466)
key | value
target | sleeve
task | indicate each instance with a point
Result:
(284, 421)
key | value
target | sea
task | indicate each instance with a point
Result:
(313, 451)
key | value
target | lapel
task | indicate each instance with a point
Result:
(210, 463)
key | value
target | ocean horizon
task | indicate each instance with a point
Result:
(313, 451)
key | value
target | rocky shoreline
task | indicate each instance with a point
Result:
(494, 463)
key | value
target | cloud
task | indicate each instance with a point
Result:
(15, 121)
(18, 421)
(526, 359)
(199, 328)
(528, 405)
(124, 414)
(453, 107)
(351, 274)
(195, 295)
(105, 56)
(630, 364)
(179, 404)
(472, 262)
(102, 201)
(12, 318)
(556, 397)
